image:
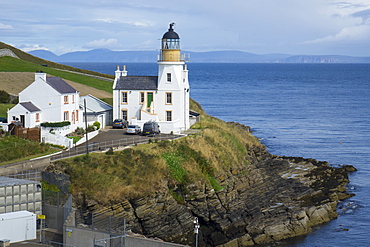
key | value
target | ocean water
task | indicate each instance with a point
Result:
(319, 111)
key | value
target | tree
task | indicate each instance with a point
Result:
(4, 97)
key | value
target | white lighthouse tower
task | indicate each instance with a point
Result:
(163, 98)
(173, 77)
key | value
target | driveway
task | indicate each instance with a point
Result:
(111, 138)
(107, 135)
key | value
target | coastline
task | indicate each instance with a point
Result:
(270, 199)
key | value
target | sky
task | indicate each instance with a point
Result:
(296, 27)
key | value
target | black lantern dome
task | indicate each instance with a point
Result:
(171, 34)
(171, 40)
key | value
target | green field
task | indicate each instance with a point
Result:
(4, 108)
(10, 64)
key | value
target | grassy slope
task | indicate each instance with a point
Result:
(171, 166)
(32, 59)
(10, 64)
(4, 108)
(16, 149)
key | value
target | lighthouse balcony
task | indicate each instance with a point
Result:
(173, 57)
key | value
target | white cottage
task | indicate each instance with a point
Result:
(47, 99)
(163, 98)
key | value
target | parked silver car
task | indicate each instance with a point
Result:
(133, 129)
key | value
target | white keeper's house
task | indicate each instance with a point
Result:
(47, 99)
(163, 98)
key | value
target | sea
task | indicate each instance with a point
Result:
(319, 111)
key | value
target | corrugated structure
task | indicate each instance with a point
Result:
(20, 194)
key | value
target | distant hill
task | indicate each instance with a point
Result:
(106, 55)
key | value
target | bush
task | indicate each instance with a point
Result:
(79, 131)
(97, 125)
(91, 128)
(4, 97)
(55, 124)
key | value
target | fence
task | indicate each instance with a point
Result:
(104, 146)
(26, 133)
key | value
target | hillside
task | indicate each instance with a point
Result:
(241, 194)
(10, 64)
(42, 62)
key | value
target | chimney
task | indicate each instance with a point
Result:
(40, 74)
(118, 72)
(124, 71)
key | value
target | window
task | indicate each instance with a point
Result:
(73, 98)
(142, 97)
(168, 115)
(124, 98)
(73, 118)
(66, 116)
(66, 99)
(168, 77)
(124, 114)
(168, 98)
(77, 115)
(37, 117)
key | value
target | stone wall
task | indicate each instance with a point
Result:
(7, 52)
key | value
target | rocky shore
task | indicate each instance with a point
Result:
(271, 199)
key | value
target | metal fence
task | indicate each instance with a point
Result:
(109, 222)
(32, 174)
(115, 144)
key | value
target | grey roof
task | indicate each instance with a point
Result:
(137, 83)
(94, 104)
(6, 181)
(60, 85)
(30, 106)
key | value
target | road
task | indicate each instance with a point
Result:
(111, 138)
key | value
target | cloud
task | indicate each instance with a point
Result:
(6, 27)
(102, 43)
(132, 23)
(364, 15)
(27, 48)
(354, 33)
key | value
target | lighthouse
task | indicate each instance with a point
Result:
(173, 75)
(163, 98)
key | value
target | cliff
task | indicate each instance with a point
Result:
(241, 194)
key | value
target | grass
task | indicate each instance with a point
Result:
(4, 109)
(14, 149)
(10, 64)
(199, 160)
(40, 62)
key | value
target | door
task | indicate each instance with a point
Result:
(150, 99)
(23, 121)
(29, 228)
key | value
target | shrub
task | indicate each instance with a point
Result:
(97, 125)
(4, 97)
(91, 128)
(79, 131)
(55, 124)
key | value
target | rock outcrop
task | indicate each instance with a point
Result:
(274, 198)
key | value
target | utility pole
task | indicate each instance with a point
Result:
(87, 139)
